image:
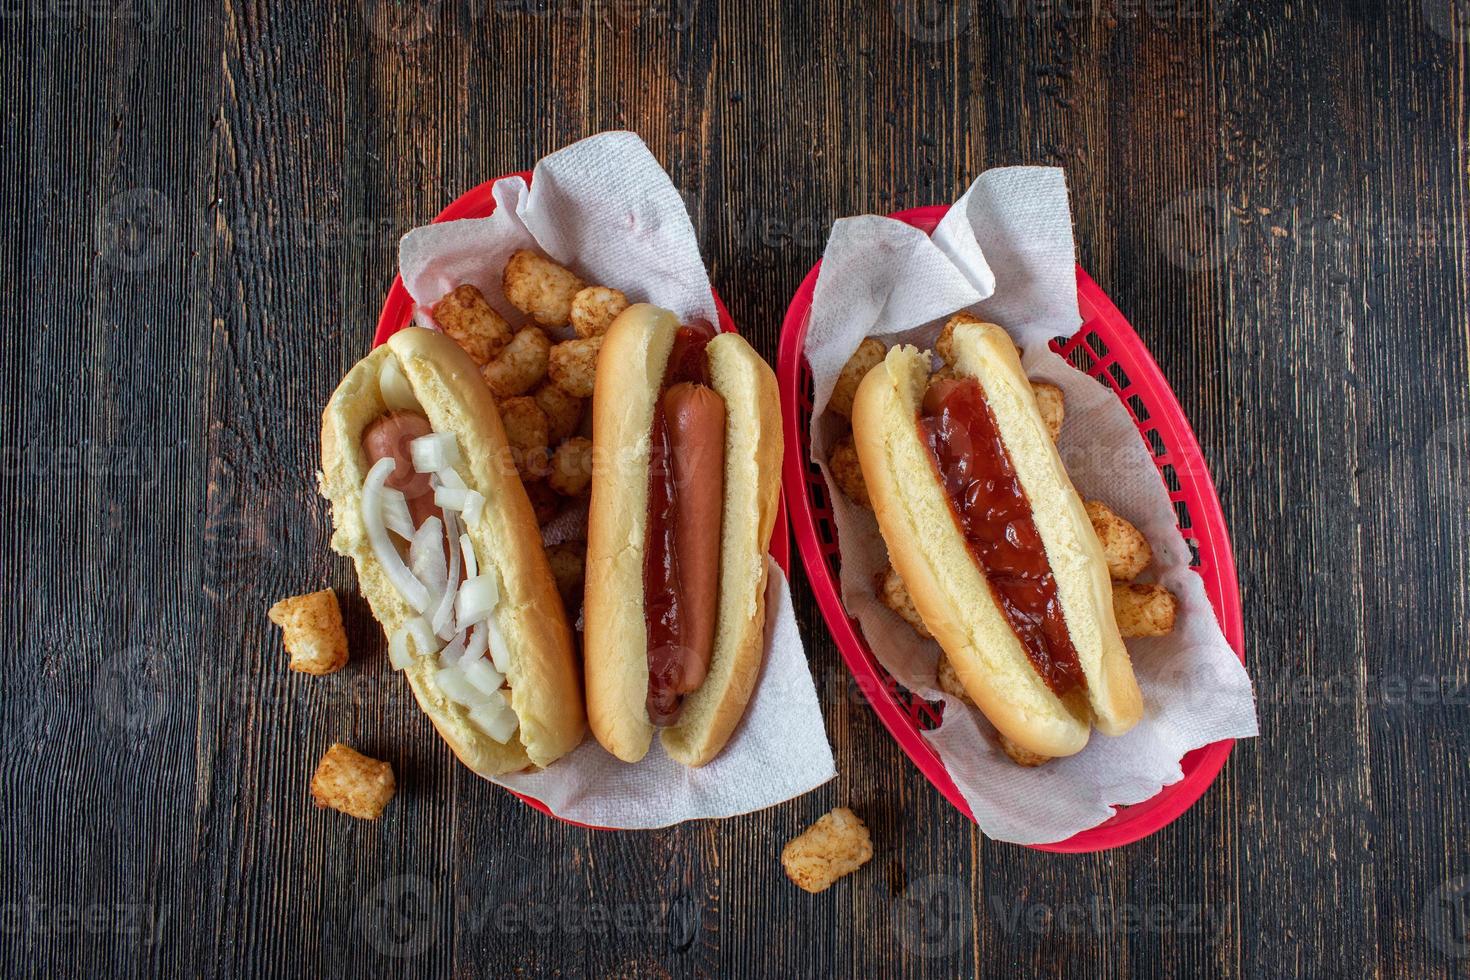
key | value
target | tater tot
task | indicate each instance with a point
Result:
(595, 308)
(544, 500)
(949, 681)
(568, 567)
(571, 467)
(1144, 610)
(1020, 756)
(863, 360)
(842, 463)
(472, 323)
(520, 366)
(573, 365)
(895, 595)
(563, 412)
(1053, 406)
(944, 346)
(539, 287)
(1124, 547)
(525, 430)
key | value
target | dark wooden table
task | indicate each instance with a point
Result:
(201, 209)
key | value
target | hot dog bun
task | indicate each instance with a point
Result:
(544, 684)
(948, 588)
(630, 372)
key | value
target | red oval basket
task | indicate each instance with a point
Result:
(1106, 348)
(479, 202)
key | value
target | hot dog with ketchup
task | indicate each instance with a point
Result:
(990, 537)
(427, 504)
(686, 425)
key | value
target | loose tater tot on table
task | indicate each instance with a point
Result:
(1144, 610)
(836, 845)
(595, 308)
(571, 467)
(472, 323)
(563, 412)
(539, 287)
(868, 354)
(520, 366)
(525, 430)
(573, 365)
(1126, 549)
(314, 636)
(350, 782)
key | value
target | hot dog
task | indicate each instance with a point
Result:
(985, 528)
(683, 503)
(426, 501)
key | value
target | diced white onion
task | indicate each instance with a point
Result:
(452, 651)
(398, 654)
(477, 643)
(479, 673)
(496, 718)
(447, 478)
(413, 638)
(396, 515)
(470, 502)
(435, 452)
(458, 689)
(414, 592)
(474, 506)
(499, 652)
(426, 557)
(443, 619)
(424, 640)
(394, 387)
(477, 599)
(467, 547)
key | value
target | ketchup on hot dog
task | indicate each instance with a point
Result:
(682, 552)
(992, 511)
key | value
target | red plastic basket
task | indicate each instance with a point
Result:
(479, 202)
(1106, 348)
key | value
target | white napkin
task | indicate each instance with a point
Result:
(605, 208)
(1004, 251)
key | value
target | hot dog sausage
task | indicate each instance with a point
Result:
(696, 420)
(389, 436)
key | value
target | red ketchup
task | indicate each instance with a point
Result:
(663, 603)
(992, 511)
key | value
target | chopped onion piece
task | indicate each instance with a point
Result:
(413, 638)
(398, 654)
(477, 643)
(426, 557)
(414, 592)
(496, 718)
(394, 387)
(424, 640)
(471, 502)
(474, 506)
(479, 673)
(443, 621)
(457, 688)
(395, 513)
(435, 452)
(471, 566)
(452, 652)
(477, 599)
(447, 478)
(499, 652)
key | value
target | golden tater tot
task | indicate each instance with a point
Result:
(1124, 546)
(1053, 406)
(949, 681)
(539, 287)
(895, 595)
(520, 366)
(544, 500)
(571, 467)
(573, 365)
(568, 567)
(1020, 756)
(525, 430)
(842, 463)
(563, 412)
(869, 353)
(1144, 610)
(472, 323)
(595, 308)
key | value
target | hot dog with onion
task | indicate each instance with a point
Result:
(686, 425)
(999, 556)
(427, 503)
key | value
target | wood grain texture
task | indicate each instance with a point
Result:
(202, 205)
